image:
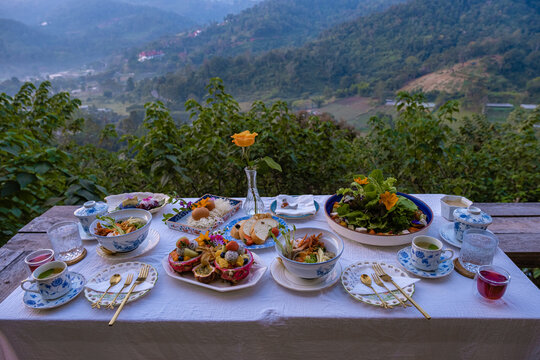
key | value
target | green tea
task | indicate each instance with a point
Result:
(426, 245)
(49, 272)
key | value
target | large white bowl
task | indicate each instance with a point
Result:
(127, 242)
(332, 243)
(378, 240)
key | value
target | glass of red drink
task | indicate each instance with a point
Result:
(38, 258)
(492, 281)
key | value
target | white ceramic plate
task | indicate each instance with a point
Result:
(351, 277)
(105, 275)
(152, 239)
(257, 271)
(284, 278)
(34, 301)
(114, 200)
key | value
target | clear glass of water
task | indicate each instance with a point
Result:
(66, 240)
(478, 248)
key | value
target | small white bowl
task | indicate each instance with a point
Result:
(447, 210)
(332, 242)
(127, 242)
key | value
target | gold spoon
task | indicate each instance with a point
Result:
(115, 279)
(366, 280)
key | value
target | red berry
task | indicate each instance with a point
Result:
(275, 231)
(232, 246)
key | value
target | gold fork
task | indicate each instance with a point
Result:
(378, 281)
(143, 274)
(127, 283)
(387, 278)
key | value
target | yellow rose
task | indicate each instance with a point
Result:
(244, 139)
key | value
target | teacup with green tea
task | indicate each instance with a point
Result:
(52, 279)
(427, 253)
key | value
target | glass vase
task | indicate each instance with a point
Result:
(253, 203)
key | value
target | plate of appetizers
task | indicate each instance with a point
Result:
(371, 211)
(206, 214)
(254, 231)
(139, 200)
(215, 263)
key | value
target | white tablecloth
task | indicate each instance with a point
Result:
(267, 321)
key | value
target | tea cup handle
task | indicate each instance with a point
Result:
(30, 281)
(443, 257)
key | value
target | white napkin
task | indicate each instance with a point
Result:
(362, 289)
(298, 205)
(102, 286)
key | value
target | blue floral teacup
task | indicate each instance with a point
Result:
(52, 279)
(427, 253)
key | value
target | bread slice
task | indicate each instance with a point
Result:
(260, 230)
(235, 231)
(246, 228)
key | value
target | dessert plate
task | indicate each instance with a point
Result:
(148, 244)
(284, 278)
(115, 200)
(445, 267)
(257, 271)
(351, 277)
(34, 301)
(273, 207)
(122, 268)
(268, 243)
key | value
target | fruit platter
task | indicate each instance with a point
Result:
(212, 261)
(139, 200)
(204, 215)
(371, 211)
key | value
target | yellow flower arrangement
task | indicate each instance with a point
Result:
(388, 199)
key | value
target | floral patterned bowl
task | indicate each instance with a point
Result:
(184, 266)
(236, 274)
(127, 242)
(331, 241)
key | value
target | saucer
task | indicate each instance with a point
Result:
(447, 234)
(284, 278)
(273, 208)
(34, 301)
(148, 244)
(83, 234)
(445, 267)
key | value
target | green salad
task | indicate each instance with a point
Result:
(371, 205)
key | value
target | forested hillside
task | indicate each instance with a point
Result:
(383, 51)
(268, 25)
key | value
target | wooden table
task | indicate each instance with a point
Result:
(517, 226)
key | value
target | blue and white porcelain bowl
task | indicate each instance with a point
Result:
(332, 242)
(127, 242)
(53, 286)
(88, 212)
(469, 218)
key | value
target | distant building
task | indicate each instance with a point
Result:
(500, 105)
(528, 106)
(149, 55)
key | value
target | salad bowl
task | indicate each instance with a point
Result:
(373, 239)
(304, 270)
(126, 242)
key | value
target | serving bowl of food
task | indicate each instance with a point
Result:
(373, 212)
(122, 230)
(139, 200)
(309, 253)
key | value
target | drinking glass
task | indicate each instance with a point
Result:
(492, 281)
(478, 248)
(66, 240)
(38, 258)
